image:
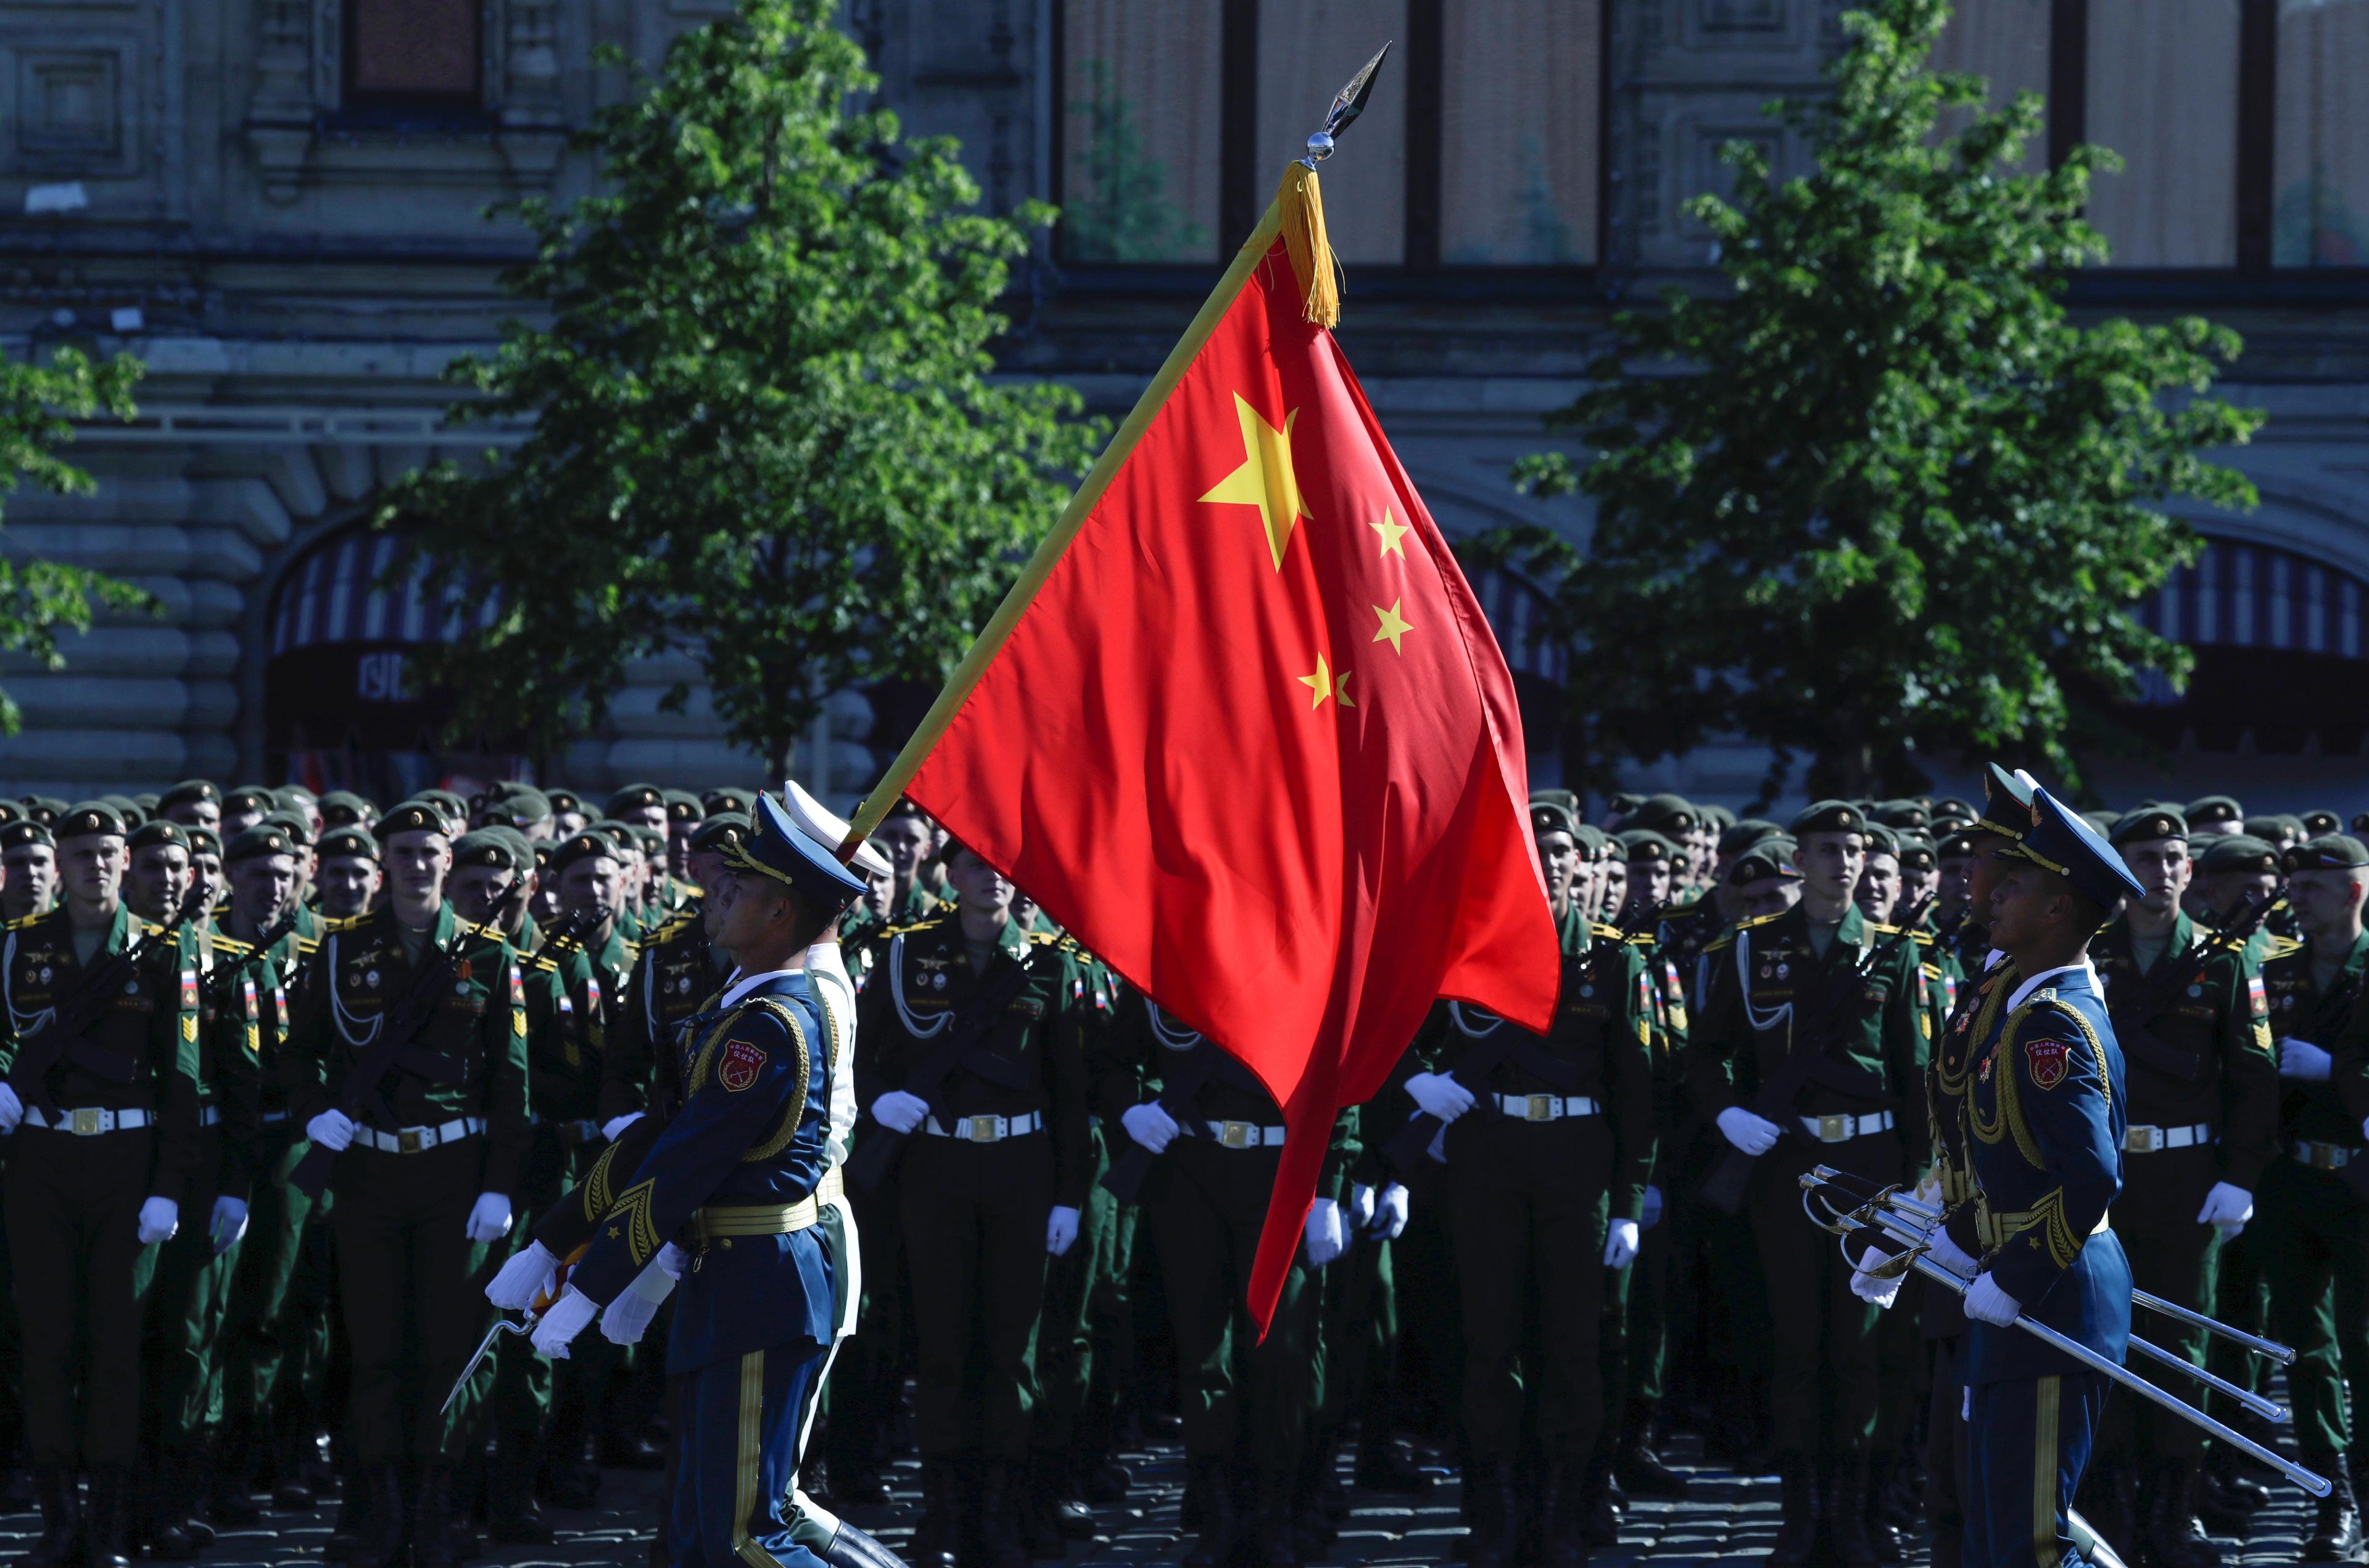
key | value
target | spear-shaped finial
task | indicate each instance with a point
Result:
(1346, 105)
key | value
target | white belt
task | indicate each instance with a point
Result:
(85, 1122)
(273, 1118)
(1546, 1107)
(1244, 1134)
(987, 1129)
(1842, 1127)
(2156, 1139)
(416, 1140)
(2323, 1156)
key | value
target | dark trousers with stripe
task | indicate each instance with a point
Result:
(2027, 1442)
(743, 1419)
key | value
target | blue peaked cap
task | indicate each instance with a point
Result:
(2063, 842)
(777, 847)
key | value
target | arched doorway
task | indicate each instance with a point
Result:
(341, 708)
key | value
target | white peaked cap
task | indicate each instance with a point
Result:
(818, 822)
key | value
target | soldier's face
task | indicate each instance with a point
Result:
(906, 842)
(159, 879)
(1831, 866)
(32, 881)
(90, 868)
(593, 884)
(195, 814)
(568, 824)
(478, 891)
(415, 862)
(2324, 899)
(263, 886)
(2219, 892)
(1559, 857)
(207, 871)
(652, 816)
(1917, 881)
(880, 893)
(979, 885)
(1879, 887)
(2024, 904)
(2162, 867)
(348, 883)
(234, 823)
(1614, 890)
(1769, 895)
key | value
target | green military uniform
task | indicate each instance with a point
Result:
(975, 1183)
(672, 971)
(1640, 1299)
(452, 1125)
(90, 1152)
(1765, 979)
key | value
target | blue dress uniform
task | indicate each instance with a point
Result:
(2043, 1117)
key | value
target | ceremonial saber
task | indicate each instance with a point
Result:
(2284, 1355)
(2316, 1485)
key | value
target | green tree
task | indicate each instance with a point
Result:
(1123, 214)
(764, 434)
(1878, 499)
(38, 407)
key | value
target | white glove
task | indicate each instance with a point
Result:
(1147, 1124)
(228, 1224)
(567, 1318)
(1654, 1201)
(1753, 1134)
(611, 1129)
(489, 1220)
(518, 1282)
(899, 1112)
(1986, 1303)
(1361, 1208)
(332, 1130)
(1327, 1236)
(2227, 1207)
(1439, 1095)
(159, 1218)
(674, 1259)
(12, 1109)
(1621, 1244)
(1060, 1230)
(1950, 1255)
(1391, 1213)
(1867, 1288)
(627, 1319)
(2302, 1059)
(1928, 1189)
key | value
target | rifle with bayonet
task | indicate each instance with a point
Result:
(1811, 1059)
(2134, 1014)
(399, 1025)
(61, 1039)
(877, 1151)
(226, 976)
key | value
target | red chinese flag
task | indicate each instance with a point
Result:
(1242, 729)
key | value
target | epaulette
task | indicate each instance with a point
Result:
(342, 924)
(1681, 911)
(1607, 932)
(924, 923)
(671, 928)
(1047, 938)
(308, 945)
(1640, 938)
(1721, 942)
(1751, 920)
(2282, 947)
(21, 921)
(225, 943)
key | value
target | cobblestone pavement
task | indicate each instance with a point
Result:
(1725, 1517)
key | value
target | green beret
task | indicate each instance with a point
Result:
(1917, 853)
(10, 812)
(344, 808)
(2319, 824)
(250, 797)
(634, 797)
(2148, 823)
(299, 826)
(1621, 805)
(487, 846)
(652, 841)
(2103, 820)
(716, 801)
(46, 809)
(2238, 852)
(16, 835)
(581, 846)
(683, 806)
(1546, 817)
(2273, 824)
(1673, 816)
(150, 834)
(1828, 816)
(563, 800)
(515, 804)
(1742, 835)
(348, 841)
(187, 791)
(1949, 808)
(2328, 851)
(146, 801)
(296, 798)
(127, 808)
(204, 840)
(1882, 840)
(264, 838)
(1903, 814)
(1644, 844)
(1766, 857)
(411, 817)
(619, 834)
(724, 829)
(1717, 817)
(2360, 821)
(2212, 811)
(1594, 845)
(90, 817)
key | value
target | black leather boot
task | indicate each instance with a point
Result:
(1382, 1465)
(2110, 1501)
(2175, 1537)
(1213, 1492)
(109, 1523)
(1797, 1530)
(1056, 1481)
(1561, 1543)
(353, 1508)
(292, 1493)
(380, 1543)
(162, 1509)
(1847, 1512)
(513, 1517)
(999, 1515)
(2336, 1519)
(1271, 1541)
(434, 1542)
(1599, 1506)
(937, 1537)
(1638, 1467)
(852, 1548)
(1494, 1513)
(62, 1521)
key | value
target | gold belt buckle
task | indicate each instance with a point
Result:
(1541, 1108)
(407, 1141)
(1835, 1128)
(85, 1122)
(1237, 1135)
(982, 1129)
(2139, 1139)
(2325, 1156)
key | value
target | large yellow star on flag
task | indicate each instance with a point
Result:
(1264, 480)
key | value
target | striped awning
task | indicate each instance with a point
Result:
(1516, 611)
(2262, 597)
(334, 595)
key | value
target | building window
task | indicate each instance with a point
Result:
(2006, 43)
(412, 53)
(1307, 49)
(2321, 218)
(2162, 91)
(1520, 98)
(1139, 131)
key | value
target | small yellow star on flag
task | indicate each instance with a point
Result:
(1394, 626)
(1324, 684)
(1392, 532)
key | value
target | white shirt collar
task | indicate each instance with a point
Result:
(2024, 991)
(742, 985)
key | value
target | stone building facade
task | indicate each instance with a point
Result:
(276, 204)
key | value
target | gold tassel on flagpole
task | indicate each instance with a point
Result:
(1299, 204)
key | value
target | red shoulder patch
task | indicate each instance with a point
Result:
(742, 1063)
(2049, 1061)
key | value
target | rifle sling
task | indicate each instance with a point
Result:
(2140, 1044)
